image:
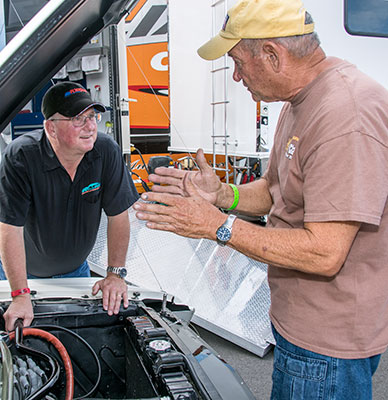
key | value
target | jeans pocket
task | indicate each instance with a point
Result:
(297, 377)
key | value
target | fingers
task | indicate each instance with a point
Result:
(151, 207)
(95, 288)
(154, 218)
(202, 162)
(175, 190)
(9, 322)
(154, 197)
(169, 172)
(149, 213)
(114, 291)
(114, 303)
(157, 213)
(166, 179)
(125, 298)
(21, 309)
(157, 225)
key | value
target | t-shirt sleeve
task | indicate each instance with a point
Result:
(119, 190)
(15, 189)
(346, 180)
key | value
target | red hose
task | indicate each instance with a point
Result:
(62, 352)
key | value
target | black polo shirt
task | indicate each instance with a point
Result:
(61, 217)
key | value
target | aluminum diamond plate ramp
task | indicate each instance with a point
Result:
(228, 290)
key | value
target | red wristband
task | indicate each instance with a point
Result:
(20, 291)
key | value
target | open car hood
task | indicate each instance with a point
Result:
(80, 288)
(45, 45)
(146, 351)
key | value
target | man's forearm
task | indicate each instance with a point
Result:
(319, 248)
(118, 239)
(14, 264)
(13, 255)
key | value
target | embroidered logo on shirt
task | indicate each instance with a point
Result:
(291, 147)
(91, 188)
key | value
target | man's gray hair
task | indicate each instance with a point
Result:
(298, 46)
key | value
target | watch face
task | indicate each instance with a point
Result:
(120, 271)
(224, 234)
(123, 272)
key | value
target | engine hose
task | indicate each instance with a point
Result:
(62, 352)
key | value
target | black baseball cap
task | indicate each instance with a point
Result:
(68, 99)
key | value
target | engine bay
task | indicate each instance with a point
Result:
(74, 350)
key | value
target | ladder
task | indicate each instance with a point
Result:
(219, 105)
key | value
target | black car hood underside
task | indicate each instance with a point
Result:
(55, 38)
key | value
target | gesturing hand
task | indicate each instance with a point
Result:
(190, 215)
(205, 181)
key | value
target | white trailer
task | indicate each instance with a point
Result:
(194, 87)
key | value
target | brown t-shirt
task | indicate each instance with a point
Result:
(330, 163)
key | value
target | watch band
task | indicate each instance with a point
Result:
(229, 221)
(119, 271)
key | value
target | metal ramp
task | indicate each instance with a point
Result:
(228, 290)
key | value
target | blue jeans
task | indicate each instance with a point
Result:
(82, 271)
(299, 374)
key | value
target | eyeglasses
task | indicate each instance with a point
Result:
(78, 121)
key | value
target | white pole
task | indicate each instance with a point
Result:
(2, 25)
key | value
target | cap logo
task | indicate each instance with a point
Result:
(225, 22)
(77, 90)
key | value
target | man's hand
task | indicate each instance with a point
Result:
(114, 289)
(20, 307)
(190, 216)
(205, 181)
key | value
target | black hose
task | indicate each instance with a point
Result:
(142, 159)
(145, 186)
(89, 348)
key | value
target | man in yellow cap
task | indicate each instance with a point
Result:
(325, 193)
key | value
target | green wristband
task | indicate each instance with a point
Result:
(236, 197)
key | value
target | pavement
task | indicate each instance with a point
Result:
(257, 371)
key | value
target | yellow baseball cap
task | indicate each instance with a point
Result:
(257, 19)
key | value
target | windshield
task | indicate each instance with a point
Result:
(366, 18)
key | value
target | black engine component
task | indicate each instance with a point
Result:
(128, 356)
(161, 360)
(158, 161)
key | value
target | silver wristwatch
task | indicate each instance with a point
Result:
(224, 232)
(119, 271)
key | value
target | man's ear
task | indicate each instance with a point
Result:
(49, 128)
(272, 53)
